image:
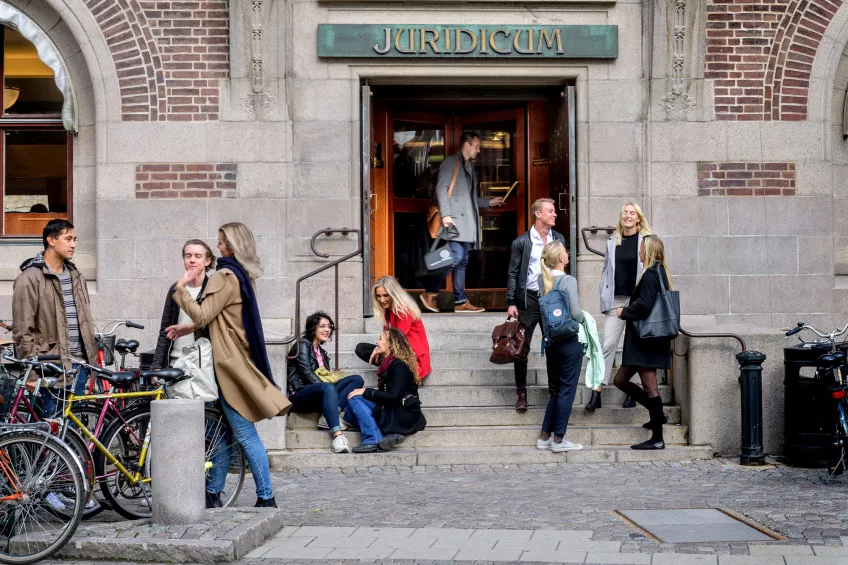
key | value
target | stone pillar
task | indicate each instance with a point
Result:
(177, 465)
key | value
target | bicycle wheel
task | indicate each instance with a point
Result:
(35, 467)
(89, 414)
(79, 446)
(223, 449)
(124, 440)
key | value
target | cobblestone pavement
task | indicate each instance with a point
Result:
(792, 502)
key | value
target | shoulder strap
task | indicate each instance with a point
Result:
(660, 273)
(453, 179)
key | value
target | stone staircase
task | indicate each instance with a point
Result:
(469, 402)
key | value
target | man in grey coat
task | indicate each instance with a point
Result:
(459, 209)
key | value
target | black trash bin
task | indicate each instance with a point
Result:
(809, 424)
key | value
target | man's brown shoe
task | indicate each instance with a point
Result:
(521, 402)
(428, 300)
(468, 308)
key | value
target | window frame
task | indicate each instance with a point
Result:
(40, 122)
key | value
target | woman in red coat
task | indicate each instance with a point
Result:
(395, 308)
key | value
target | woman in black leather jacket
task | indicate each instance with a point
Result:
(307, 392)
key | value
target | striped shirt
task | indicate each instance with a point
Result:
(70, 311)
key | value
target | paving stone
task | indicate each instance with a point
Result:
(341, 541)
(830, 550)
(457, 543)
(298, 552)
(817, 560)
(382, 532)
(438, 533)
(682, 559)
(317, 531)
(360, 553)
(780, 550)
(404, 543)
(750, 560)
(488, 555)
(503, 535)
(422, 553)
(529, 545)
(600, 557)
(554, 556)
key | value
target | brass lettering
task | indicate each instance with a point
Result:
(431, 42)
(400, 49)
(494, 45)
(447, 40)
(388, 40)
(549, 40)
(484, 46)
(518, 49)
(469, 33)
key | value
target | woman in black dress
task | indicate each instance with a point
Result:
(645, 356)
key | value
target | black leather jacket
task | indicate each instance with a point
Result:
(301, 370)
(170, 316)
(519, 262)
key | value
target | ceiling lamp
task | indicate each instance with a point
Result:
(10, 96)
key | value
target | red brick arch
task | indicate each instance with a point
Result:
(760, 55)
(168, 55)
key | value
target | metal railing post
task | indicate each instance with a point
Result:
(751, 367)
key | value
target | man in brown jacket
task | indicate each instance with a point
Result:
(51, 310)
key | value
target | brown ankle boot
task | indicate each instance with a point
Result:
(428, 300)
(521, 402)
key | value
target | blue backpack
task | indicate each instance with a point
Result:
(557, 323)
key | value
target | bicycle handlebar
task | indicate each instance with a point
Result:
(112, 328)
(829, 336)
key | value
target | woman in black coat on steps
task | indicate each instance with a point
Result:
(645, 356)
(392, 410)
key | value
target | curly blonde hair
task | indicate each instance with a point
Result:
(400, 349)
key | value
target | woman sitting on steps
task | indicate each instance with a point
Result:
(307, 392)
(393, 408)
(395, 308)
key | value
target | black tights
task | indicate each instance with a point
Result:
(648, 377)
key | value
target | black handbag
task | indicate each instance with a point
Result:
(410, 401)
(664, 319)
(439, 260)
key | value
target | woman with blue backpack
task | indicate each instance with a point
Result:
(561, 316)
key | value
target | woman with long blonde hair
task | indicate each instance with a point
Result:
(645, 356)
(622, 268)
(395, 308)
(562, 357)
(392, 410)
(247, 391)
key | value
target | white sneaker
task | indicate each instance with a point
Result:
(565, 445)
(544, 444)
(53, 500)
(323, 425)
(340, 444)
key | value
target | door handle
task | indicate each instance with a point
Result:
(372, 204)
(561, 206)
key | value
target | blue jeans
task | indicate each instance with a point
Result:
(345, 386)
(326, 398)
(48, 405)
(254, 451)
(563, 360)
(360, 412)
(460, 251)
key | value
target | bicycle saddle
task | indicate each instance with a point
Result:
(830, 360)
(170, 376)
(120, 379)
(126, 346)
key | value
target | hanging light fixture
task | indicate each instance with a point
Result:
(10, 96)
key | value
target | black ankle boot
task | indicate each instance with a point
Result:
(648, 425)
(265, 503)
(594, 401)
(213, 500)
(629, 402)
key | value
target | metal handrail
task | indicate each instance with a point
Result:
(333, 264)
(610, 230)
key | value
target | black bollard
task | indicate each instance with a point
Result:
(751, 365)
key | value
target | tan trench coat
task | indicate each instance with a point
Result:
(244, 386)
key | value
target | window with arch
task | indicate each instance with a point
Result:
(36, 159)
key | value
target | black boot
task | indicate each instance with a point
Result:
(265, 503)
(594, 401)
(213, 500)
(629, 402)
(649, 425)
(655, 407)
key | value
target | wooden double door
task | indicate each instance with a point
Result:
(403, 148)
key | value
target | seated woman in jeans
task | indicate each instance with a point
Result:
(387, 409)
(307, 392)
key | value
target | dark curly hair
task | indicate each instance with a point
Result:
(312, 323)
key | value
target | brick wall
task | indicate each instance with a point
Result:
(746, 179)
(168, 55)
(760, 55)
(186, 180)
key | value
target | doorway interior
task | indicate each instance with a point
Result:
(527, 151)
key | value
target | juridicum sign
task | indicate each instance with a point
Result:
(477, 41)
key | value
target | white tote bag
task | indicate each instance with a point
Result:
(196, 360)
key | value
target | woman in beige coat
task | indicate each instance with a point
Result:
(247, 390)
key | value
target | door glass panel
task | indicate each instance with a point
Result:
(411, 243)
(495, 163)
(418, 151)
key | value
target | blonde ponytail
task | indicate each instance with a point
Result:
(550, 257)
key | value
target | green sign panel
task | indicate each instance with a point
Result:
(475, 41)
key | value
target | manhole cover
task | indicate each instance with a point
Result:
(693, 525)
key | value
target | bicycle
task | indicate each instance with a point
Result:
(832, 367)
(34, 465)
(121, 457)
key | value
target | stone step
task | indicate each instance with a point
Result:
(439, 396)
(497, 436)
(440, 360)
(459, 417)
(437, 341)
(318, 458)
(450, 323)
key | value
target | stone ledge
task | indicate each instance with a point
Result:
(226, 535)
